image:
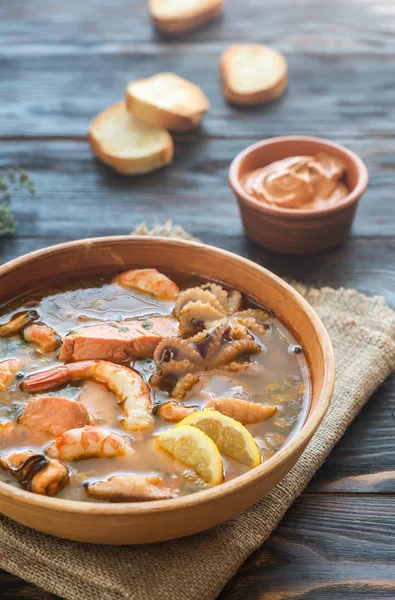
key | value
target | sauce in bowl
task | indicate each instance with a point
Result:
(299, 182)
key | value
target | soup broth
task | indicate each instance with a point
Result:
(267, 368)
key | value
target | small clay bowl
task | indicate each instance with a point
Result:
(297, 231)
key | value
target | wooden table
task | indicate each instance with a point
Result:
(63, 62)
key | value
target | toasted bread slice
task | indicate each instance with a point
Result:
(168, 101)
(253, 74)
(178, 16)
(127, 144)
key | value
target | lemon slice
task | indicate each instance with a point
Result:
(194, 448)
(231, 437)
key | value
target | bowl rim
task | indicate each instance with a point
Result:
(289, 213)
(297, 442)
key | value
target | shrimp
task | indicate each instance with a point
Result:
(173, 412)
(128, 488)
(241, 410)
(8, 370)
(37, 473)
(150, 281)
(129, 387)
(18, 322)
(89, 442)
(45, 337)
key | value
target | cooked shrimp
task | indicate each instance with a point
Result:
(173, 412)
(129, 387)
(8, 370)
(150, 281)
(18, 322)
(45, 337)
(36, 473)
(241, 410)
(53, 414)
(128, 488)
(89, 442)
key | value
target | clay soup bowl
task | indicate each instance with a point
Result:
(142, 522)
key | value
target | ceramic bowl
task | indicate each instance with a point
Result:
(142, 522)
(292, 231)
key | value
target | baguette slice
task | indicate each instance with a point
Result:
(127, 144)
(178, 16)
(253, 74)
(167, 100)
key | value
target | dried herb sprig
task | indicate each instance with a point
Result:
(10, 179)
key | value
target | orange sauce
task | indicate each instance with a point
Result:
(299, 182)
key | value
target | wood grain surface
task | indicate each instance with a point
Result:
(61, 63)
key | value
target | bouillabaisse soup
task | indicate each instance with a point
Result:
(143, 388)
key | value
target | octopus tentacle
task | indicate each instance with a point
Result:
(173, 412)
(196, 316)
(240, 331)
(219, 293)
(233, 351)
(253, 325)
(196, 294)
(246, 367)
(259, 314)
(234, 300)
(199, 336)
(208, 347)
(173, 350)
(185, 384)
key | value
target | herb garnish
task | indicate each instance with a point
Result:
(14, 178)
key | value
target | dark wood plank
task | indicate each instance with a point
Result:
(363, 461)
(13, 588)
(78, 196)
(326, 548)
(324, 23)
(64, 87)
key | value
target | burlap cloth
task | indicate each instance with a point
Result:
(362, 330)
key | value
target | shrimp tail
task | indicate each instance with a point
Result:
(46, 380)
(51, 378)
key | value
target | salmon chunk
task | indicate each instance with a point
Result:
(118, 342)
(53, 414)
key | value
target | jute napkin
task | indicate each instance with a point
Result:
(362, 330)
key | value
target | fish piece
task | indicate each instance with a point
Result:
(241, 410)
(150, 281)
(14, 434)
(18, 322)
(8, 370)
(45, 337)
(118, 342)
(132, 393)
(89, 442)
(53, 414)
(36, 473)
(129, 488)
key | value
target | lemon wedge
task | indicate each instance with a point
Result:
(231, 437)
(194, 448)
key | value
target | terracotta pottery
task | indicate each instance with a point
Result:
(296, 231)
(142, 522)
